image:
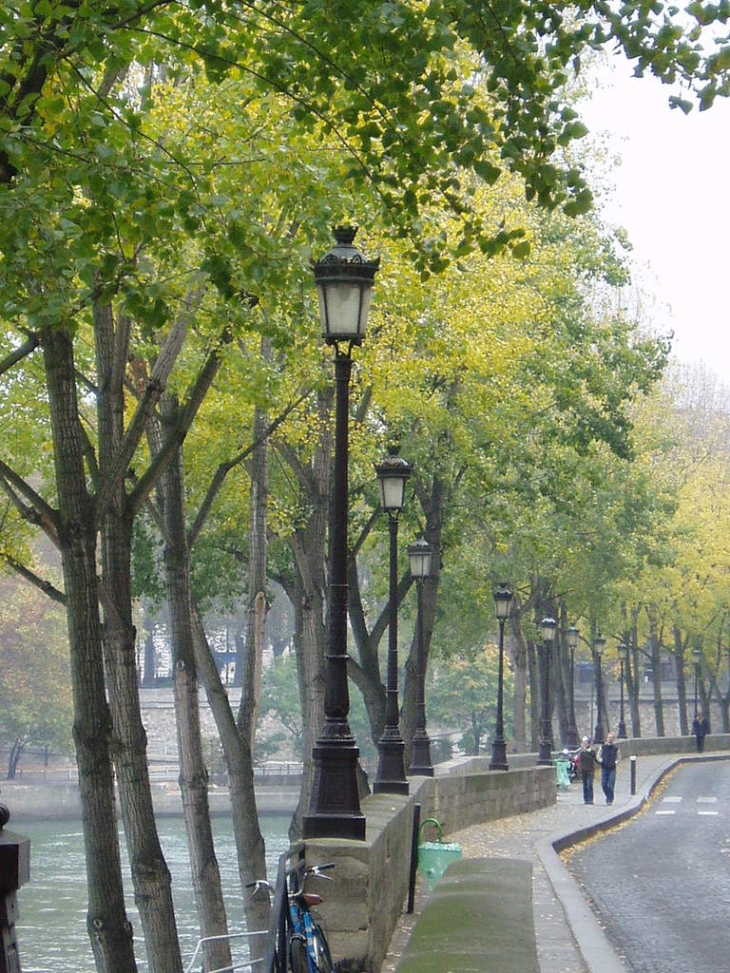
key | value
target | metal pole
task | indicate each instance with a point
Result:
(334, 810)
(499, 747)
(573, 738)
(598, 735)
(391, 777)
(421, 763)
(545, 755)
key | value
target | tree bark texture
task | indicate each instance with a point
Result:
(257, 575)
(517, 647)
(679, 656)
(306, 588)
(193, 773)
(633, 679)
(150, 874)
(109, 928)
(250, 847)
(656, 665)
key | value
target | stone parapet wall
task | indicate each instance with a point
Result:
(370, 881)
(364, 902)
(460, 800)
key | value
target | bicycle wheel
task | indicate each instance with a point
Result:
(298, 955)
(321, 950)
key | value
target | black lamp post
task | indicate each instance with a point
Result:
(623, 654)
(419, 559)
(344, 280)
(392, 474)
(545, 755)
(571, 638)
(697, 659)
(599, 644)
(502, 602)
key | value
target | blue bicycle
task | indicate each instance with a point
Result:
(303, 944)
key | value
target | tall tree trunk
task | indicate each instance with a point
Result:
(680, 646)
(532, 668)
(149, 663)
(250, 848)
(429, 601)
(433, 501)
(257, 575)
(150, 874)
(109, 928)
(16, 752)
(306, 588)
(656, 678)
(193, 773)
(518, 653)
(633, 678)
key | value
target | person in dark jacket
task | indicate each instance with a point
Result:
(587, 766)
(700, 729)
(607, 757)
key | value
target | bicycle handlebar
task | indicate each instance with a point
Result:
(309, 871)
(315, 871)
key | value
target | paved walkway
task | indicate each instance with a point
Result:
(569, 938)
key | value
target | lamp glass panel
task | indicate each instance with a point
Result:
(343, 308)
(419, 561)
(502, 602)
(392, 492)
(547, 627)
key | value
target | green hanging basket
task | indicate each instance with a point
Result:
(434, 857)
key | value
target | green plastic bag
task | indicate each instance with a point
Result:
(434, 857)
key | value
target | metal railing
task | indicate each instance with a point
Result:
(242, 965)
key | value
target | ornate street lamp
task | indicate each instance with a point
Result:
(502, 602)
(697, 659)
(545, 754)
(344, 280)
(420, 554)
(599, 644)
(392, 474)
(623, 654)
(571, 638)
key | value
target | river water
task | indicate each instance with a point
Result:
(52, 926)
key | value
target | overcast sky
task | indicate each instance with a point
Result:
(672, 195)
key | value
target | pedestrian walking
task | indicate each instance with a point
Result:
(587, 765)
(700, 729)
(608, 756)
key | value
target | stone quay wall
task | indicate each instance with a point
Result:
(371, 878)
(370, 883)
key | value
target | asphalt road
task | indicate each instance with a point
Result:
(660, 883)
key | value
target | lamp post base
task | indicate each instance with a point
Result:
(572, 737)
(391, 777)
(421, 763)
(499, 754)
(545, 754)
(335, 806)
(621, 733)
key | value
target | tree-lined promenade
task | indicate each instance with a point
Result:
(168, 173)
